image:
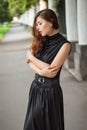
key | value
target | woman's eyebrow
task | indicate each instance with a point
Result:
(38, 22)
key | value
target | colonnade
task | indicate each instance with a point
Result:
(28, 17)
(76, 32)
(76, 27)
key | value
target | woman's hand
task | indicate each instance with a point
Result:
(50, 72)
(29, 55)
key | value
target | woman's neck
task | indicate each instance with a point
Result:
(53, 32)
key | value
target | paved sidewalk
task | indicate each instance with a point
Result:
(15, 80)
(16, 39)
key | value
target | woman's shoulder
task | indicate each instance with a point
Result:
(63, 39)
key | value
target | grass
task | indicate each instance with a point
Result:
(3, 30)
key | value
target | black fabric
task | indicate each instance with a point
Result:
(45, 107)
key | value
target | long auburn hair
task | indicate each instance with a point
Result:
(48, 15)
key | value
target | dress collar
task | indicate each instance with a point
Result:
(53, 36)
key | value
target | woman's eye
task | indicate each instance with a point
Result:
(39, 23)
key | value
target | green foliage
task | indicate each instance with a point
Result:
(56, 3)
(30, 3)
(10, 8)
(4, 29)
(17, 7)
(4, 11)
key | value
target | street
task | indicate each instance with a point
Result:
(15, 80)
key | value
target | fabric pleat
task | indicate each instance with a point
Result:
(45, 108)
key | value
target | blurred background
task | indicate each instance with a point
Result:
(16, 20)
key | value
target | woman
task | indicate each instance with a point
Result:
(46, 57)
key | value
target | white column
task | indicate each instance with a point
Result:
(71, 20)
(28, 17)
(43, 5)
(51, 5)
(31, 16)
(82, 21)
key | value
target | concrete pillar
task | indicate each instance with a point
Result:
(80, 60)
(71, 29)
(51, 5)
(26, 17)
(43, 5)
(71, 20)
(82, 21)
(31, 16)
(80, 55)
(69, 63)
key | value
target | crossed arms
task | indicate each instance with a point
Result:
(45, 69)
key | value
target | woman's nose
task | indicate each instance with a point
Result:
(37, 28)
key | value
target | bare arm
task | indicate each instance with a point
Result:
(58, 60)
(61, 56)
(47, 72)
(40, 64)
(46, 69)
(34, 67)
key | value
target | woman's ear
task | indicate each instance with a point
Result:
(51, 24)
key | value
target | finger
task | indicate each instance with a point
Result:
(51, 67)
(52, 75)
(28, 61)
(54, 70)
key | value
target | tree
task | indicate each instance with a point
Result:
(30, 3)
(4, 11)
(10, 8)
(17, 7)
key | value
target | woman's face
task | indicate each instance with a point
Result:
(44, 27)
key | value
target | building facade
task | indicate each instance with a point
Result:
(73, 19)
(72, 15)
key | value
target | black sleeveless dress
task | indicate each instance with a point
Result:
(45, 108)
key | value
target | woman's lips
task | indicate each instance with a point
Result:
(40, 32)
